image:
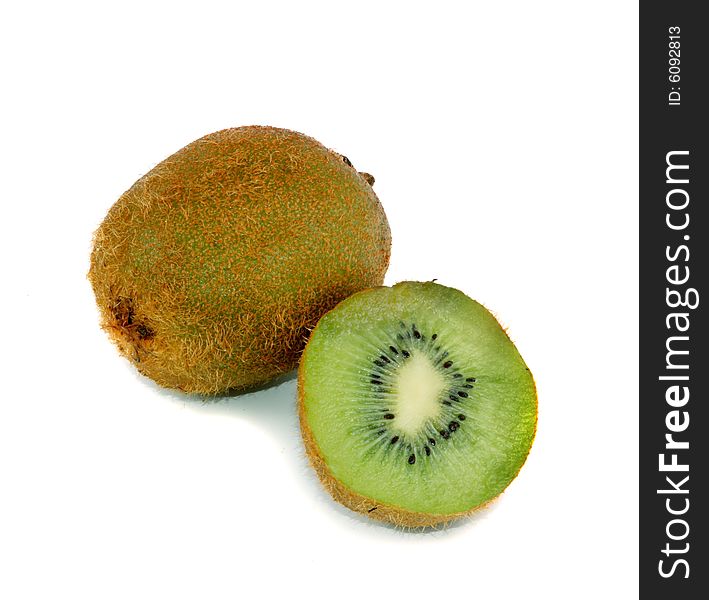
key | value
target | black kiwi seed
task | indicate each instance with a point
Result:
(394, 350)
(427, 450)
(346, 160)
(417, 335)
(377, 382)
(379, 363)
(468, 386)
(447, 403)
(471, 379)
(447, 364)
(412, 459)
(385, 358)
(461, 417)
(405, 353)
(458, 375)
(389, 416)
(444, 434)
(381, 432)
(394, 439)
(434, 336)
(453, 425)
(463, 394)
(455, 398)
(432, 441)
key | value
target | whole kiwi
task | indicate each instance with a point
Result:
(212, 269)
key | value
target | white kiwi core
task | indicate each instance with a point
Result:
(418, 389)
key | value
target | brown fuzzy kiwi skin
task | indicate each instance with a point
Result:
(212, 269)
(386, 513)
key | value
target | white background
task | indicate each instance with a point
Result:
(503, 136)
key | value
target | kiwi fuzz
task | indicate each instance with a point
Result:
(373, 505)
(211, 271)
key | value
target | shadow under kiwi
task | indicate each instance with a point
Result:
(274, 408)
(271, 406)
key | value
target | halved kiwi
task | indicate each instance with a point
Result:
(415, 406)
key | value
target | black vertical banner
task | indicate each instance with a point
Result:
(674, 265)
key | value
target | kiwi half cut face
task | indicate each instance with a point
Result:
(415, 406)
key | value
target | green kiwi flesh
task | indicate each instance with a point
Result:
(415, 406)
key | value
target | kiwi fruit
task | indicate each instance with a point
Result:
(415, 407)
(213, 268)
